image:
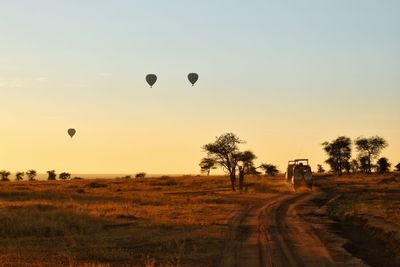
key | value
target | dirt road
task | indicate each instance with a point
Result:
(274, 233)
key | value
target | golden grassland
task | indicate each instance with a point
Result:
(167, 221)
(176, 221)
(364, 195)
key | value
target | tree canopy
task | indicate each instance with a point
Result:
(206, 165)
(224, 151)
(369, 149)
(320, 168)
(339, 152)
(4, 175)
(31, 174)
(245, 165)
(64, 176)
(19, 176)
(52, 175)
(383, 165)
(269, 169)
(397, 167)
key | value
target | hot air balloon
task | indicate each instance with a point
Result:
(193, 77)
(151, 79)
(71, 132)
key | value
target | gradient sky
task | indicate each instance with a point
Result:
(283, 75)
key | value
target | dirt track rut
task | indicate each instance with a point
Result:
(271, 233)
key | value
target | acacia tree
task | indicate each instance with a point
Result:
(64, 176)
(245, 165)
(4, 175)
(370, 148)
(269, 169)
(339, 152)
(383, 165)
(51, 175)
(224, 151)
(19, 176)
(140, 175)
(397, 167)
(354, 165)
(320, 168)
(364, 167)
(31, 175)
(206, 165)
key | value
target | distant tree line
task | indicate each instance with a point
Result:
(340, 159)
(51, 175)
(31, 175)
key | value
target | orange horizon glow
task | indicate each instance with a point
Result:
(283, 77)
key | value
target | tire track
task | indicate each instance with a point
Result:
(296, 238)
(247, 238)
(272, 234)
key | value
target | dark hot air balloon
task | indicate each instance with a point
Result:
(193, 77)
(151, 79)
(71, 132)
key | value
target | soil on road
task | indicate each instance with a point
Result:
(285, 230)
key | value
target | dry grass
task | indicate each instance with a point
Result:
(166, 221)
(370, 195)
(120, 222)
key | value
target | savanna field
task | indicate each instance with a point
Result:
(167, 221)
(171, 221)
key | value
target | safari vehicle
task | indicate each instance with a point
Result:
(298, 173)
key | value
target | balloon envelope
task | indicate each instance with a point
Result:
(71, 132)
(151, 79)
(193, 77)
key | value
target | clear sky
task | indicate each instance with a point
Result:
(283, 75)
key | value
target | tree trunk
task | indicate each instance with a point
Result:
(233, 181)
(369, 163)
(339, 167)
(241, 179)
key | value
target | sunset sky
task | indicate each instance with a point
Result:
(283, 75)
